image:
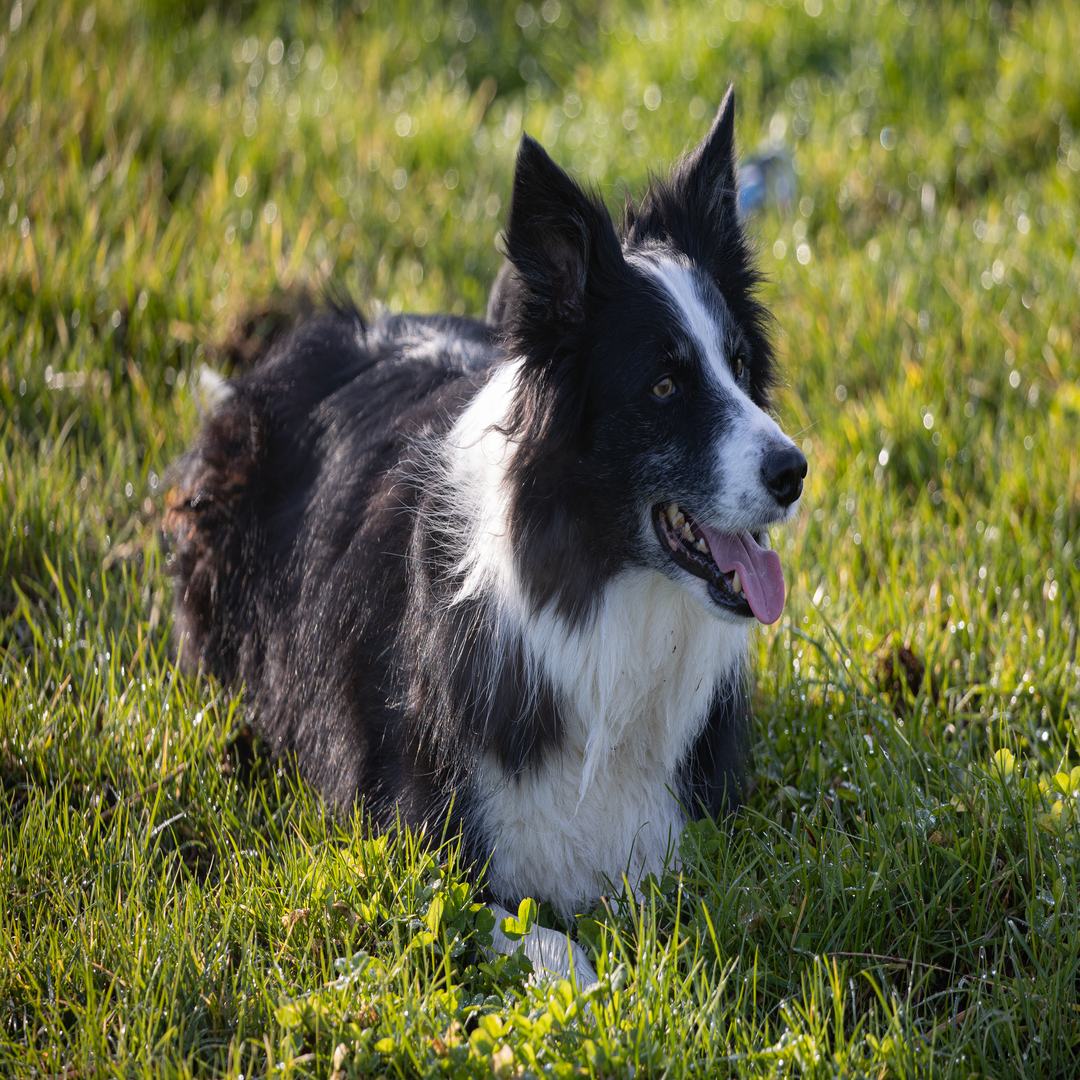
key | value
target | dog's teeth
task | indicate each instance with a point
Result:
(736, 584)
(687, 532)
(702, 546)
(671, 511)
(679, 520)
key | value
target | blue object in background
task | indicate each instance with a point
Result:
(767, 174)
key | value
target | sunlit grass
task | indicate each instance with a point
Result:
(900, 895)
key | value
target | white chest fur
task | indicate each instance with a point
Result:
(634, 690)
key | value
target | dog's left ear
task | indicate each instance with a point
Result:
(706, 178)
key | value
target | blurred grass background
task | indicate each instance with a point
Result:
(900, 896)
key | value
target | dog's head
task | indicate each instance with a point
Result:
(641, 412)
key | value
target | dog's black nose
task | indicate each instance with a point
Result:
(783, 471)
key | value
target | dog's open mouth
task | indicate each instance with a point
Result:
(744, 577)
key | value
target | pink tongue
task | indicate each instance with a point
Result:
(759, 570)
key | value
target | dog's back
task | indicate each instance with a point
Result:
(290, 523)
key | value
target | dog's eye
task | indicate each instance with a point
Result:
(664, 388)
(738, 367)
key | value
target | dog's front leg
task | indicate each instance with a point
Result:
(550, 952)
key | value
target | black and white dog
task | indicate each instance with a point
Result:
(506, 572)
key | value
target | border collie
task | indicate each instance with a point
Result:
(504, 574)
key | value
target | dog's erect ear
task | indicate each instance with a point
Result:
(706, 177)
(559, 239)
(696, 207)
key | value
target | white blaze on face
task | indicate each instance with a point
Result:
(739, 500)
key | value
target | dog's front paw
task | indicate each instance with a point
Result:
(551, 953)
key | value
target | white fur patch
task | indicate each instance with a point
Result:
(678, 281)
(213, 390)
(479, 456)
(634, 686)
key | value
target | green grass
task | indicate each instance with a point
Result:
(901, 894)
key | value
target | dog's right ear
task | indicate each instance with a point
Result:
(562, 244)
